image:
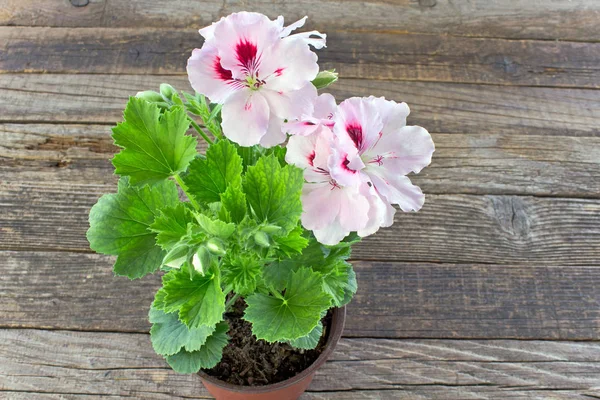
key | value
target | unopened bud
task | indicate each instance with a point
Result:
(176, 257)
(150, 96)
(167, 91)
(262, 239)
(201, 260)
(270, 229)
(325, 78)
(216, 246)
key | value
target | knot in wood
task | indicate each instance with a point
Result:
(79, 3)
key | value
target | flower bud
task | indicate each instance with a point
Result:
(262, 239)
(216, 246)
(325, 78)
(201, 260)
(167, 91)
(176, 257)
(150, 96)
(270, 229)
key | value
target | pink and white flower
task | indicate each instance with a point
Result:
(331, 210)
(375, 144)
(259, 72)
(317, 117)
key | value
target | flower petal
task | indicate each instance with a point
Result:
(207, 75)
(378, 210)
(245, 117)
(320, 204)
(301, 151)
(243, 38)
(408, 149)
(393, 115)
(397, 189)
(331, 234)
(291, 105)
(345, 164)
(325, 107)
(289, 65)
(357, 120)
(275, 134)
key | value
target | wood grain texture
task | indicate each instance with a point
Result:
(557, 19)
(113, 364)
(437, 58)
(62, 290)
(483, 163)
(440, 107)
(496, 229)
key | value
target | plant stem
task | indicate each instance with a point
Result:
(231, 302)
(184, 188)
(200, 131)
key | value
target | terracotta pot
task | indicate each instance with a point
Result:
(290, 389)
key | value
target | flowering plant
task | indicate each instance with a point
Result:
(267, 223)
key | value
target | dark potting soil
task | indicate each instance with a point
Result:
(250, 362)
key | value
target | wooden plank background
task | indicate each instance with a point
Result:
(492, 291)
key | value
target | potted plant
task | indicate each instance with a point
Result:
(254, 260)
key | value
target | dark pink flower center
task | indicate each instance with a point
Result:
(311, 158)
(222, 73)
(345, 165)
(356, 134)
(246, 53)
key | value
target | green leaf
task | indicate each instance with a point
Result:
(277, 273)
(250, 155)
(119, 225)
(335, 280)
(292, 315)
(309, 341)
(215, 227)
(209, 355)
(278, 152)
(209, 177)
(293, 243)
(198, 105)
(242, 273)
(274, 192)
(154, 145)
(171, 225)
(351, 287)
(233, 204)
(169, 335)
(325, 78)
(199, 299)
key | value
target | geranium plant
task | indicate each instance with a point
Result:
(288, 182)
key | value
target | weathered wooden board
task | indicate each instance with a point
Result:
(437, 58)
(406, 392)
(54, 362)
(557, 19)
(484, 163)
(440, 107)
(450, 228)
(62, 290)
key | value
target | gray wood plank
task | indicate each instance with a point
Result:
(112, 364)
(557, 19)
(498, 229)
(440, 107)
(437, 58)
(62, 290)
(483, 163)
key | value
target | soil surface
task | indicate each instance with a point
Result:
(250, 362)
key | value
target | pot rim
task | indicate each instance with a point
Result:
(337, 327)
